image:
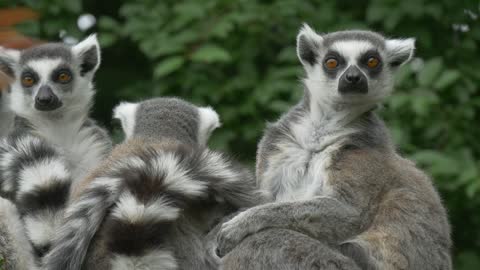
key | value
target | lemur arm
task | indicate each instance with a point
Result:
(324, 218)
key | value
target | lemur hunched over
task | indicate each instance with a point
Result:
(343, 197)
(152, 203)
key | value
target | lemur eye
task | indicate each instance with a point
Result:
(373, 62)
(64, 77)
(28, 80)
(331, 63)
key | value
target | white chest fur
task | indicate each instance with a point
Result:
(299, 169)
(80, 145)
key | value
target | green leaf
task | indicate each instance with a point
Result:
(168, 66)
(430, 71)
(211, 53)
(447, 78)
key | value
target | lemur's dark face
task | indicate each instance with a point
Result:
(51, 78)
(351, 66)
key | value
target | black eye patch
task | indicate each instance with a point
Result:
(364, 59)
(62, 70)
(332, 73)
(29, 72)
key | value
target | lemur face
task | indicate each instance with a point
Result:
(51, 78)
(351, 66)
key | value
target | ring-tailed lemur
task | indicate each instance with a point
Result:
(151, 204)
(54, 143)
(334, 173)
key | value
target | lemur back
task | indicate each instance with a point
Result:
(335, 175)
(152, 203)
(53, 143)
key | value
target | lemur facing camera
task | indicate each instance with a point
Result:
(151, 204)
(335, 175)
(53, 143)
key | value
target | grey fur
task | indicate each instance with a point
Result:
(99, 233)
(46, 51)
(154, 117)
(336, 178)
(356, 35)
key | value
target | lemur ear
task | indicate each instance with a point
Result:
(308, 45)
(208, 122)
(399, 51)
(126, 112)
(88, 52)
(8, 60)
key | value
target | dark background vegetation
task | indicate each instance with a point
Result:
(239, 57)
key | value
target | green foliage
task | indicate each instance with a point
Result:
(1, 263)
(239, 56)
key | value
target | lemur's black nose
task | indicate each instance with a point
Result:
(46, 100)
(352, 77)
(353, 81)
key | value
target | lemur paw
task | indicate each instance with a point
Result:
(232, 233)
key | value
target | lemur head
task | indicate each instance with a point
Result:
(52, 79)
(167, 118)
(351, 67)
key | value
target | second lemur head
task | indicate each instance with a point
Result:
(52, 79)
(167, 118)
(351, 67)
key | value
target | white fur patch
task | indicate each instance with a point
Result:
(309, 35)
(86, 44)
(208, 122)
(44, 67)
(176, 177)
(12, 229)
(43, 174)
(131, 210)
(352, 49)
(126, 113)
(42, 228)
(154, 260)
(217, 166)
(402, 48)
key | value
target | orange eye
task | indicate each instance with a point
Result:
(64, 77)
(331, 63)
(373, 62)
(28, 81)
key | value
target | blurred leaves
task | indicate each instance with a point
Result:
(239, 56)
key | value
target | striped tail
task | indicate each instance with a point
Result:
(138, 200)
(14, 246)
(36, 177)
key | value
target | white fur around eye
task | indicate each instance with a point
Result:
(208, 121)
(126, 113)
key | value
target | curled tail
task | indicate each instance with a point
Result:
(15, 249)
(137, 201)
(36, 177)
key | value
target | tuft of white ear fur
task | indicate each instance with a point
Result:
(308, 43)
(399, 51)
(88, 51)
(126, 113)
(8, 59)
(208, 122)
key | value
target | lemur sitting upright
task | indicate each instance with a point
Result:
(54, 143)
(335, 175)
(151, 204)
